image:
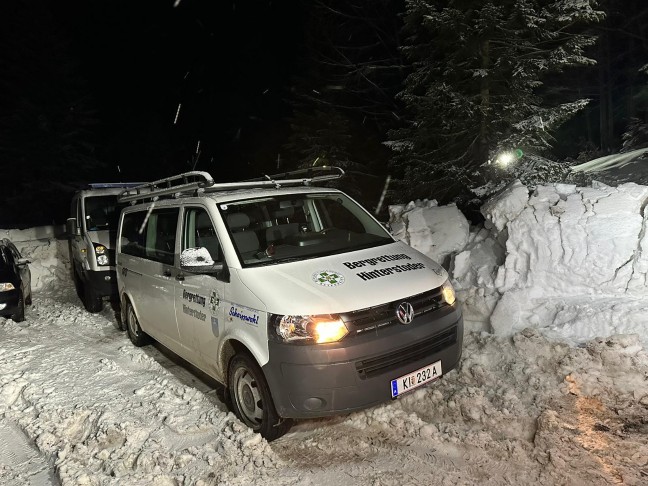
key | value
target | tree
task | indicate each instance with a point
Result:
(476, 86)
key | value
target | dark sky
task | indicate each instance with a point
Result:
(90, 90)
(228, 64)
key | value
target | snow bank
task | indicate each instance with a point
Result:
(576, 262)
(437, 231)
(49, 256)
(570, 260)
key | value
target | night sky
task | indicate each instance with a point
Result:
(103, 81)
(227, 64)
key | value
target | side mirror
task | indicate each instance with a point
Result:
(23, 261)
(71, 227)
(199, 260)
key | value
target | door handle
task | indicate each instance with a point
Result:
(179, 277)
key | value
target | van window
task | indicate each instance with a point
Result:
(151, 237)
(199, 232)
(277, 229)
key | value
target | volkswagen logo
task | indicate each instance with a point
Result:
(405, 313)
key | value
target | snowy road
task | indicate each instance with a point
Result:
(94, 410)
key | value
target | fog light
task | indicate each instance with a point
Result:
(107, 278)
(314, 403)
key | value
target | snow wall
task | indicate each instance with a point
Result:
(47, 251)
(572, 261)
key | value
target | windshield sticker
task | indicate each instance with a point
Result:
(195, 313)
(214, 301)
(195, 298)
(328, 278)
(244, 314)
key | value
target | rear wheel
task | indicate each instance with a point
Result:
(91, 301)
(135, 333)
(19, 315)
(251, 400)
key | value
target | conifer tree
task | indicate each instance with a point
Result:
(478, 74)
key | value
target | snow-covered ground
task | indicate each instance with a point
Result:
(552, 387)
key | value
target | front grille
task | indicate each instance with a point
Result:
(373, 318)
(379, 365)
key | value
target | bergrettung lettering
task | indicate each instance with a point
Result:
(195, 298)
(375, 261)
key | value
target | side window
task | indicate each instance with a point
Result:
(199, 231)
(153, 237)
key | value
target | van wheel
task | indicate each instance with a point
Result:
(91, 302)
(251, 400)
(78, 285)
(135, 333)
(19, 316)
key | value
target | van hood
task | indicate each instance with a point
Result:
(344, 282)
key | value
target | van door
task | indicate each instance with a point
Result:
(199, 306)
(153, 251)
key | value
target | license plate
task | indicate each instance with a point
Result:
(415, 379)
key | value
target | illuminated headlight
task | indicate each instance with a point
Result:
(6, 286)
(310, 329)
(448, 293)
(102, 254)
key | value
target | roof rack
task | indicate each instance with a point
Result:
(113, 185)
(192, 182)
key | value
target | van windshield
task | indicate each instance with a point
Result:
(272, 230)
(101, 213)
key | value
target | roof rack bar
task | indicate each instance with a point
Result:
(192, 181)
(310, 173)
(187, 181)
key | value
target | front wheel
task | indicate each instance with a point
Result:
(91, 301)
(19, 315)
(251, 400)
(135, 333)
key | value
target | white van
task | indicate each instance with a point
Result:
(292, 296)
(91, 230)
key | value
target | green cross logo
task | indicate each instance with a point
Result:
(328, 278)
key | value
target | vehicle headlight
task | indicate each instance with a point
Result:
(6, 286)
(448, 293)
(326, 328)
(102, 254)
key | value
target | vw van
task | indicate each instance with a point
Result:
(291, 295)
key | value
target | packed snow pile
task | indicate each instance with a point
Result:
(49, 255)
(436, 231)
(571, 260)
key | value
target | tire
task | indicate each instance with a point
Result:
(78, 285)
(251, 400)
(137, 336)
(91, 301)
(19, 315)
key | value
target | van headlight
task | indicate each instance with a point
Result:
(102, 254)
(326, 328)
(448, 293)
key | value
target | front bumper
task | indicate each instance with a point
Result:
(9, 302)
(320, 380)
(104, 282)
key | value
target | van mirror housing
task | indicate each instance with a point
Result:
(71, 227)
(199, 260)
